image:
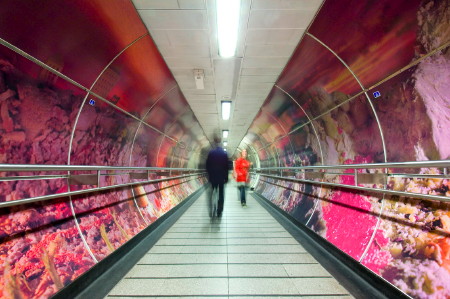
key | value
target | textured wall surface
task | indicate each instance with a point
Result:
(113, 103)
(326, 113)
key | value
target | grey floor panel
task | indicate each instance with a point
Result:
(292, 297)
(162, 271)
(258, 235)
(271, 258)
(204, 249)
(295, 248)
(171, 287)
(262, 286)
(189, 249)
(307, 286)
(187, 258)
(252, 270)
(244, 254)
(263, 241)
(255, 229)
(306, 270)
(222, 241)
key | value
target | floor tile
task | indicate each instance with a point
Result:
(244, 254)
(162, 271)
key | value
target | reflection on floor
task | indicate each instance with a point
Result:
(245, 253)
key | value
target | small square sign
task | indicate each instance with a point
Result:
(91, 102)
(376, 94)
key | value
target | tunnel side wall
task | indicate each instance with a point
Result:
(366, 85)
(82, 83)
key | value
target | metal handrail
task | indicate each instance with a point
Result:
(41, 168)
(375, 190)
(25, 167)
(408, 164)
(32, 177)
(78, 192)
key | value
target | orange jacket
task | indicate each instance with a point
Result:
(241, 167)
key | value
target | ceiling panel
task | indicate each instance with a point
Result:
(284, 50)
(180, 37)
(264, 86)
(195, 50)
(200, 98)
(206, 108)
(261, 79)
(192, 4)
(200, 92)
(279, 19)
(155, 4)
(250, 98)
(174, 19)
(190, 73)
(261, 71)
(270, 36)
(188, 62)
(190, 85)
(286, 4)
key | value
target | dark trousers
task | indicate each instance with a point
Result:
(221, 197)
(242, 193)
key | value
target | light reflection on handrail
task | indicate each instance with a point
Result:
(409, 164)
(26, 168)
(32, 177)
(78, 192)
(367, 189)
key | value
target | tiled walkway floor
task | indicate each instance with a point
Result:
(245, 254)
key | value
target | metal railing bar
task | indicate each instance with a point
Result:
(409, 164)
(78, 192)
(404, 175)
(407, 175)
(33, 177)
(325, 173)
(25, 167)
(50, 177)
(367, 189)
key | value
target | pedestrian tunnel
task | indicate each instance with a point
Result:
(101, 153)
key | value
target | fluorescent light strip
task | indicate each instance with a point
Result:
(226, 110)
(225, 143)
(225, 134)
(228, 12)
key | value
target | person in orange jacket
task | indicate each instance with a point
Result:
(241, 173)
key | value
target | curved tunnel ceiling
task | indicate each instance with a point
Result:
(185, 33)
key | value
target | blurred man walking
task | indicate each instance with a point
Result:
(217, 168)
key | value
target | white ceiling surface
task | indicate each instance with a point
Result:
(185, 32)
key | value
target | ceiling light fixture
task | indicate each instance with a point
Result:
(226, 110)
(225, 143)
(225, 134)
(228, 12)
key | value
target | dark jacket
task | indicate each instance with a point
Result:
(217, 166)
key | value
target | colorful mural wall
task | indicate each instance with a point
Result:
(369, 84)
(114, 102)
